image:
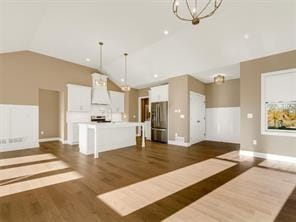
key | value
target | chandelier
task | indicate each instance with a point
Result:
(198, 11)
(125, 87)
(219, 79)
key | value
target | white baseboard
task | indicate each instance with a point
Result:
(64, 141)
(178, 143)
(53, 139)
(268, 156)
(50, 139)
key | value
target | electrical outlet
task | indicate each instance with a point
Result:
(42, 132)
(250, 116)
(255, 142)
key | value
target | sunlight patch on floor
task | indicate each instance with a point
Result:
(279, 165)
(136, 196)
(235, 156)
(38, 183)
(30, 170)
(256, 195)
(26, 159)
(11, 177)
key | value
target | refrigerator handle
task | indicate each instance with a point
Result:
(159, 115)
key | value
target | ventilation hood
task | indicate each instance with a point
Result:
(100, 95)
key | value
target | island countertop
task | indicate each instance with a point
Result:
(112, 124)
(99, 137)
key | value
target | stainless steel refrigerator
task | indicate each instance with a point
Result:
(159, 122)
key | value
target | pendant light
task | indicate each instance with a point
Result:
(125, 87)
(101, 81)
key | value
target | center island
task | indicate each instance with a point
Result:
(99, 137)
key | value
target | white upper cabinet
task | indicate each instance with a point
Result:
(79, 98)
(159, 93)
(117, 101)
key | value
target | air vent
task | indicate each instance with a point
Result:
(3, 141)
(16, 140)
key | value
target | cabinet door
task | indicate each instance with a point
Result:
(155, 95)
(163, 93)
(117, 101)
(159, 93)
(79, 98)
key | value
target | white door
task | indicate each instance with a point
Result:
(197, 117)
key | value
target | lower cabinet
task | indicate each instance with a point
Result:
(147, 126)
(73, 133)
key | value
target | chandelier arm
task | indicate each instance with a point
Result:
(212, 12)
(125, 69)
(174, 7)
(189, 9)
(101, 59)
(206, 6)
(184, 19)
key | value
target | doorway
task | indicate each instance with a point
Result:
(144, 115)
(49, 115)
(197, 117)
(144, 109)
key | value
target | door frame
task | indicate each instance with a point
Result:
(139, 106)
(139, 111)
(202, 96)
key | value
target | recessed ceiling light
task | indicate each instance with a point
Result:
(122, 79)
(246, 36)
(155, 75)
(87, 59)
(166, 32)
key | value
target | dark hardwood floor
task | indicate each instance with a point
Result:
(77, 200)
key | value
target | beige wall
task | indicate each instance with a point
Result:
(131, 106)
(132, 102)
(250, 100)
(196, 86)
(179, 94)
(143, 92)
(178, 99)
(224, 95)
(49, 113)
(23, 73)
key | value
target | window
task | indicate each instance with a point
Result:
(278, 103)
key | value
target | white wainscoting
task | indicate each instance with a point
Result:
(18, 127)
(223, 124)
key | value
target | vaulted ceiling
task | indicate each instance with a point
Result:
(70, 30)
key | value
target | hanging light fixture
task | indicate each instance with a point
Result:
(219, 79)
(125, 87)
(206, 10)
(101, 81)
